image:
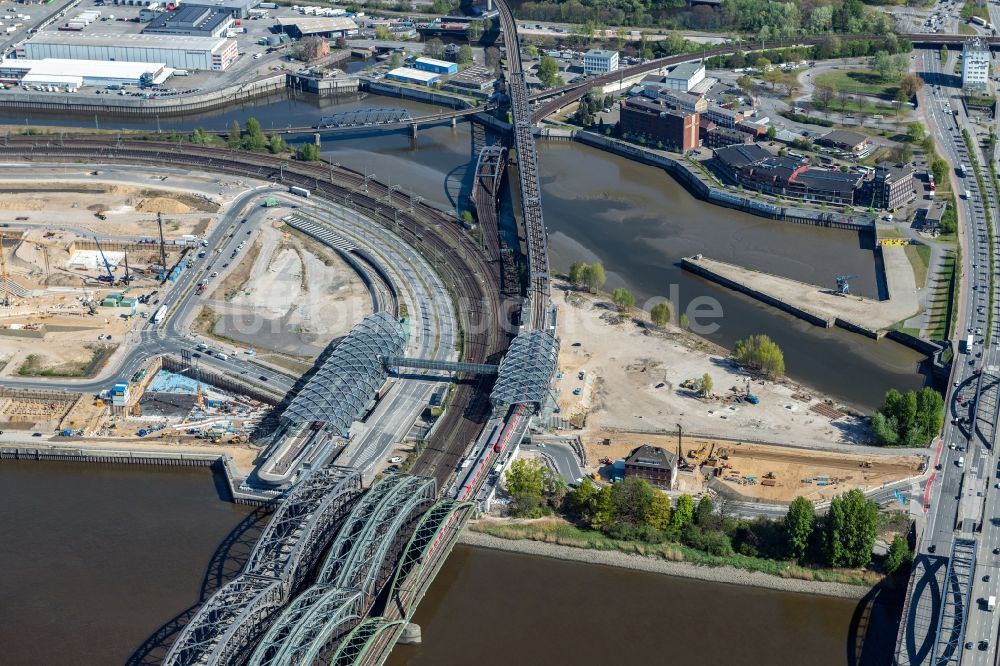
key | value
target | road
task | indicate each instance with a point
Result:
(961, 493)
(151, 340)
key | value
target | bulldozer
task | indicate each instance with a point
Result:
(867, 464)
(696, 454)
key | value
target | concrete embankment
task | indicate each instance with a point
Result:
(819, 306)
(730, 575)
(705, 187)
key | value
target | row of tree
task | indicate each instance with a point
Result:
(910, 419)
(633, 510)
(762, 354)
(251, 137)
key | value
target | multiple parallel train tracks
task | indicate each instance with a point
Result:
(461, 264)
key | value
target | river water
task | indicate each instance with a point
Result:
(97, 558)
(635, 219)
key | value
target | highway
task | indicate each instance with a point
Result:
(962, 491)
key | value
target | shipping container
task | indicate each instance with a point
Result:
(300, 191)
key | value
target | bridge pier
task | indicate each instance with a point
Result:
(317, 140)
(454, 121)
(411, 634)
(413, 130)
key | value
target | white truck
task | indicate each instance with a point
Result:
(991, 603)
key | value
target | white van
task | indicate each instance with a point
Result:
(960, 462)
(991, 603)
(221, 356)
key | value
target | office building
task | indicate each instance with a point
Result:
(975, 64)
(655, 465)
(893, 185)
(599, 61)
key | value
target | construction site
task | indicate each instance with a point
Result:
(756, 471)
(624, 383)
(285, 295)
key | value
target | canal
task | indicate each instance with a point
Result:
(635, 219)
(98, 558)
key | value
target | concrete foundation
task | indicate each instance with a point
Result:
(411, 634)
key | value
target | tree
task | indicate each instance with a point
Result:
(772, 76)
(913, 418)
(882, 63)
(253, 138)
(658, 512)
(233, 140)
(525, 476)
(660, 314)
(899, 554)
(940, 170)
(745, 83)
(915, 132)
(684, 321)
(762, 63)
(581, 502)
(632, 499)
(706, 384)
(312, 48)
(822, 96)
(577, 273)
(771, 132)
(703, 515)
(308, 152)
(799, 523)
(276, 144)
(548, 71)
(465, 55)
(762, 354)
(594, 277)
(683, 512)
(910, 85)
(531, 51)
(475, 31)
(623, 299)
(395, 60)
(850, 528)
(382, 33)
(434, 48)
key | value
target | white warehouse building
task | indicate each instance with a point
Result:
(205, 53)
(77, 73)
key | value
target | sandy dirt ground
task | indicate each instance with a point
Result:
(632, 378)
(130, 211)
(817, 475)
(69, 342)
(288, 295)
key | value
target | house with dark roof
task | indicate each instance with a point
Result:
(655, 465)
(852, 142)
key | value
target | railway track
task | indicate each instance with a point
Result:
(459, 261)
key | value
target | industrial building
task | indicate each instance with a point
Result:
(599, 61)
(722, 116)
(318, 26)
(436, 66)
(755, 168)
(414, 76)
(477, 81)
(239, 9)
(975, 64)
(657, 122)
(685, 76)
(654, 464)
(78, 73)
(190, 53)
(893, 185)
(193, 21)
(852, 142)
(720, 137)
(684, 101)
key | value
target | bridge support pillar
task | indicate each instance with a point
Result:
(317, 140)
(411, 634)
(454, 121)
(413, 130)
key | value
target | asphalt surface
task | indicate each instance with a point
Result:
(961, 495)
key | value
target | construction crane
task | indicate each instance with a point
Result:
(163, 250)
(844, 284)
(107, 266)
(128, 277)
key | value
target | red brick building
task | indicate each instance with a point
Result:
(658, 122)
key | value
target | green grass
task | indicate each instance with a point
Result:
(920, 259)
(860, 82)
(562, 533)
